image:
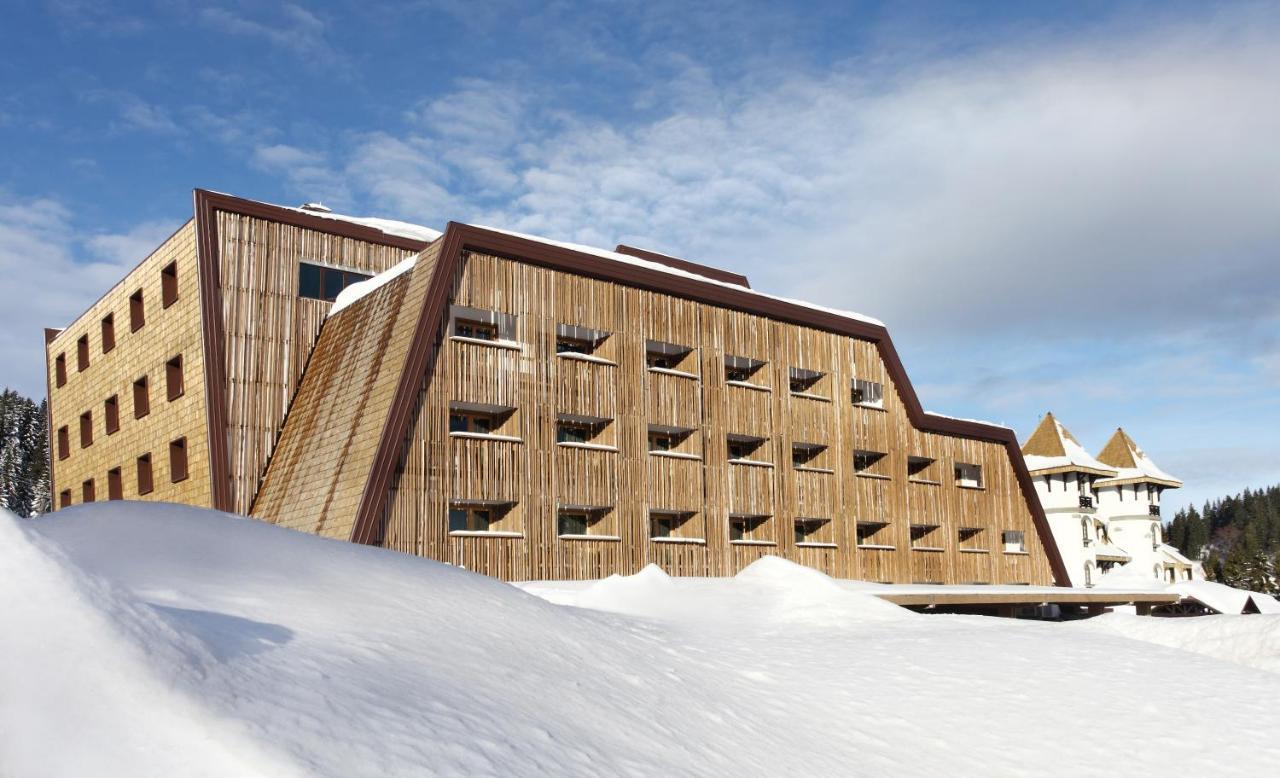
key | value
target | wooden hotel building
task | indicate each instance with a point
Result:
(523, 408)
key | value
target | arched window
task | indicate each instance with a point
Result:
(1084, 529)
(1088, 574)
(1155, 535)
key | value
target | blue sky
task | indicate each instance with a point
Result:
(1054, 206)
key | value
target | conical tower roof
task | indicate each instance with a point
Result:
(1132, 463)
(1053, 449)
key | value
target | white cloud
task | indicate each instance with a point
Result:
(129, 248)
(133, 112)
(294, 29)
(308, 172)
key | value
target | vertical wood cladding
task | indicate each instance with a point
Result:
(270, 330)
(540, 476)
(117, 359)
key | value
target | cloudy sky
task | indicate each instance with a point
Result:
(1054, 206)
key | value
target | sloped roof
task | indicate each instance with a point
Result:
(1053, 448)
(1132, 463)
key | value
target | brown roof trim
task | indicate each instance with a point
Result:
(49, 335)
(290, 216)
(461, 237)
(727, 276)
(209, 276)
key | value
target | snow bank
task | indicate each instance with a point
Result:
(150, 639)
(1252, 641)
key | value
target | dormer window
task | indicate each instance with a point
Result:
(480, 324)
(868, 394)
(659, 355)
(742, 370)
(571, 339)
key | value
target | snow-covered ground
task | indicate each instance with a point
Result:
(144, 639)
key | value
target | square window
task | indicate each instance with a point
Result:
(741, 369)
(970, 537)
(873, 533)
(806, 455)
(808, 530)
(747, 527)
(1014, 541)
(920, 468)
(745, 448)
(925, 536)
(803, 381)
(660, 355)
(869, 394)
(868, 462)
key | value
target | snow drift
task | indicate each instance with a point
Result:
(147, 639)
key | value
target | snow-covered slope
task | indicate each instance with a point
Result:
(144, 639)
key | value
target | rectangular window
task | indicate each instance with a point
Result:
(670, 439)
(868, 394)
(802, 381)
(321, 282)
(925, 536)
(115, 486)
(173, 378)
(108, 332)
(968, 475)
(470, 421)
(137, 314)
(178, 460)
(111, 412)
(811, 530)
(580, 429)
(970, 538)
(141, 398)
(741, 369)
(60, 370)
(481, 324)
(920, 469)
(873, 533)
(581, 521)
(571, 339)
(807, 455)
(670, 524)
(747, 527)
(746, 448)
(87, 491)
(64, 498)
(1014, 541)
(476, 330)
(82, 353)
(169, 285)
(145, 482)
(86, 429)
(869, 462)
(64, 443)
(660, 355)
(470, 518)
(571, 523)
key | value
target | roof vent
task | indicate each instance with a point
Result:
(317, 207)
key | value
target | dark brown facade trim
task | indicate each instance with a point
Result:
(49, 335)
(715, 273)
(207, 204)
(461, 237)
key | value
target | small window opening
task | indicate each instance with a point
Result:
(60, 370)
(137, 313)
(115, 486)
(173, 378)
(64, 443)
(145, 481)
(659, 355)
(803, 381)
(108, 332)
(925, 536)
(810, 530)
(178, 460)
(873, 533)
(169, 285)
(111, 412)
(743, 527)
(868, 394)
(1014, 541)
(968, 475)
(745, 448)
(141, 398)
(82, 353)
(86, 429)
(87, 492)
(741, 369)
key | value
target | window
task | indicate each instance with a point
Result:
(469, 518)
(807, 456)
(671, 525)
(178, 460)
(108, 332)
(173, 378)
(868, 394)
(971, 538)
(670, 439)
(87, 491)
(481, 324)
(115, 488)
(581, 429)
(1155, 537)
(141, 398)
(920, 469)
(476, 330)
(111, 412)
(571, 339)
(471, 421)
(873, 533)
(169, 285)
(810, 531)
(321, 282)
(137, 314)
(86, 429)
(1014, 541)
(659, 355)
(747, 527)
(869, 462)
(82, 353)
(968, 475)
(145, 483)
(744, 448)
(576, 521)
(741, 369)
(64, 498)
(60, 369)
(64, 443)
(925, 536)
(803, 381)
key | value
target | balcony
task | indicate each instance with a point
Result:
(1153, 510)
(1086, 501)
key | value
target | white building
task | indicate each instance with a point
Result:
(1104, 511)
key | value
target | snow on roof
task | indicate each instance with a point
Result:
(362, 288)
(658, 266)
(1174, 555)
(389, 226)
(1223, 598)
(1052, 446)
(1131, 462)
(971, 421)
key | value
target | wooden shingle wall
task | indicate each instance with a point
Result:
(270, 330)
(539, 475)
(166, 333)
(322, 464)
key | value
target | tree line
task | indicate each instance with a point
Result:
(24, 455)
(1236, 538)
